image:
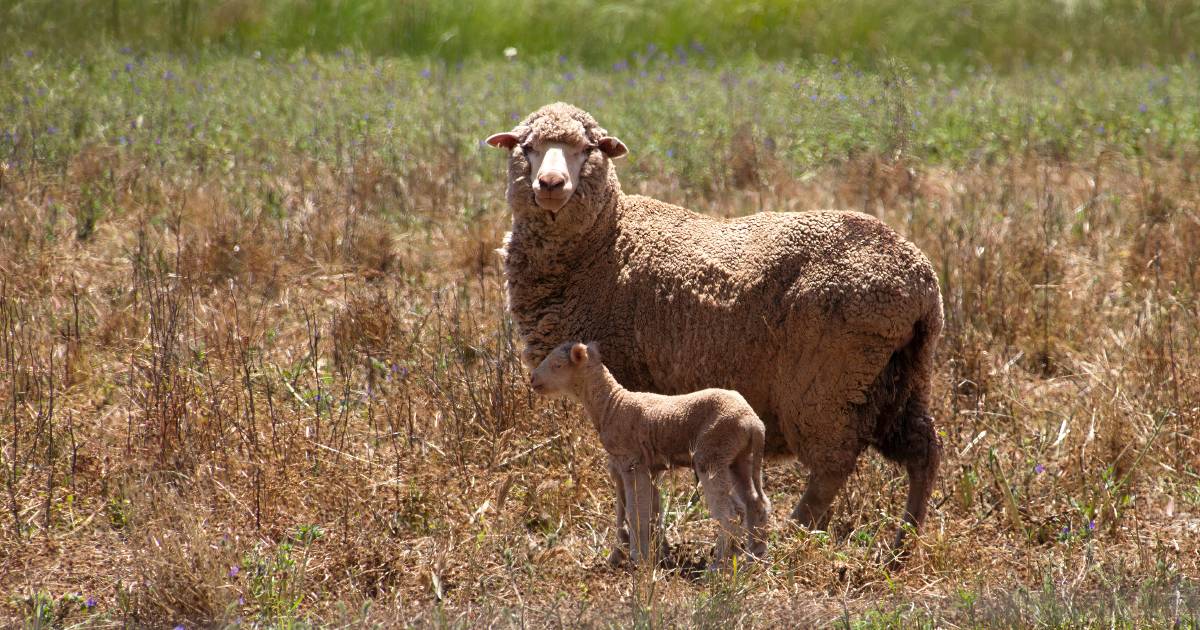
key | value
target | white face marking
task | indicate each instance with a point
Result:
(556, 168)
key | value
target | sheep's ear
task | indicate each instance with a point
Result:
(612, 147)
(506, 140)
(579, 354)
(593, 349)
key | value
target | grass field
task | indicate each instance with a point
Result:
(257, 371)
(984, 33)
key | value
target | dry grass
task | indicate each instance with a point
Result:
(300, 408)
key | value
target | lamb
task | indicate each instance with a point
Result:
(715, 431)
(825, 321)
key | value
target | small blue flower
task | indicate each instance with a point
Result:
(1039, 469)
(621, 65)
(128, 67)
(562, 59)
(1142, 108)
(51, 130)
(180, 627)
(28, 54)
(670, 153)
(1100, 130)
(234, 570)
(426, 73)
(90, 603)
(1091, 525)
(570, 76)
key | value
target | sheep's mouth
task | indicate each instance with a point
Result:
(551, 202)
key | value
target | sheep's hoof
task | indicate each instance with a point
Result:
(618, 558)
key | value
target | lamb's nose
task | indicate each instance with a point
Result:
(551, 181)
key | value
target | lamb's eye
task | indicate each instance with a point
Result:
(528, 149)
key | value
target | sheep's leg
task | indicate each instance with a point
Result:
(639, 496)
(921, 452)
(717, 486)
(823, 485)
(620, 551)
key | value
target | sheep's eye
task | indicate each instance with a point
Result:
(528, 148)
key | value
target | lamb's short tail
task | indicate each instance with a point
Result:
(757, 473)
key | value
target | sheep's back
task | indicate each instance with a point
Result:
(720, 303)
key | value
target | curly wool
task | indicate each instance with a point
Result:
(825, 321)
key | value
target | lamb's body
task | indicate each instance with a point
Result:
(825, 321)
(714, 431)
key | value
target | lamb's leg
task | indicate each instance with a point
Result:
(718, 485)
(639, 507)
(823, 485)
(747, 473)
(620, 551)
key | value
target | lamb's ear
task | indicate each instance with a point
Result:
(579, 354)
(506, 140)
(612, 147)
(593, 349)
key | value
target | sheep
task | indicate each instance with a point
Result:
(826, 321)
(715, 431)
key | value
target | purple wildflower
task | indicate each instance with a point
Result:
(234, 570)
(128, 67)
(52, 130)
(621, 65)
(670, 153)
(90, 603)
(1039, 469)
(570, 76)
(1142, 108)
(1100, 130)
(180, 627)
(28, 53)
(426, 73)
(1091, 525)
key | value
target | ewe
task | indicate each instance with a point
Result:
(714, 431)
(825, 321)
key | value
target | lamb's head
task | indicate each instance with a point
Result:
(562, 371)
(559, 164)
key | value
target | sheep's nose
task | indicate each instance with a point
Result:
(552, 181)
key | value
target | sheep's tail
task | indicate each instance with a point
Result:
(900, 401)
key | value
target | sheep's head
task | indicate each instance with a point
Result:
(560, 372)
(559, 157)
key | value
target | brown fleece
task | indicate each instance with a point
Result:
(713, 430)
(825, 321)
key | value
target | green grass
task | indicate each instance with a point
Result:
(1005, 34)
(234, 113)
